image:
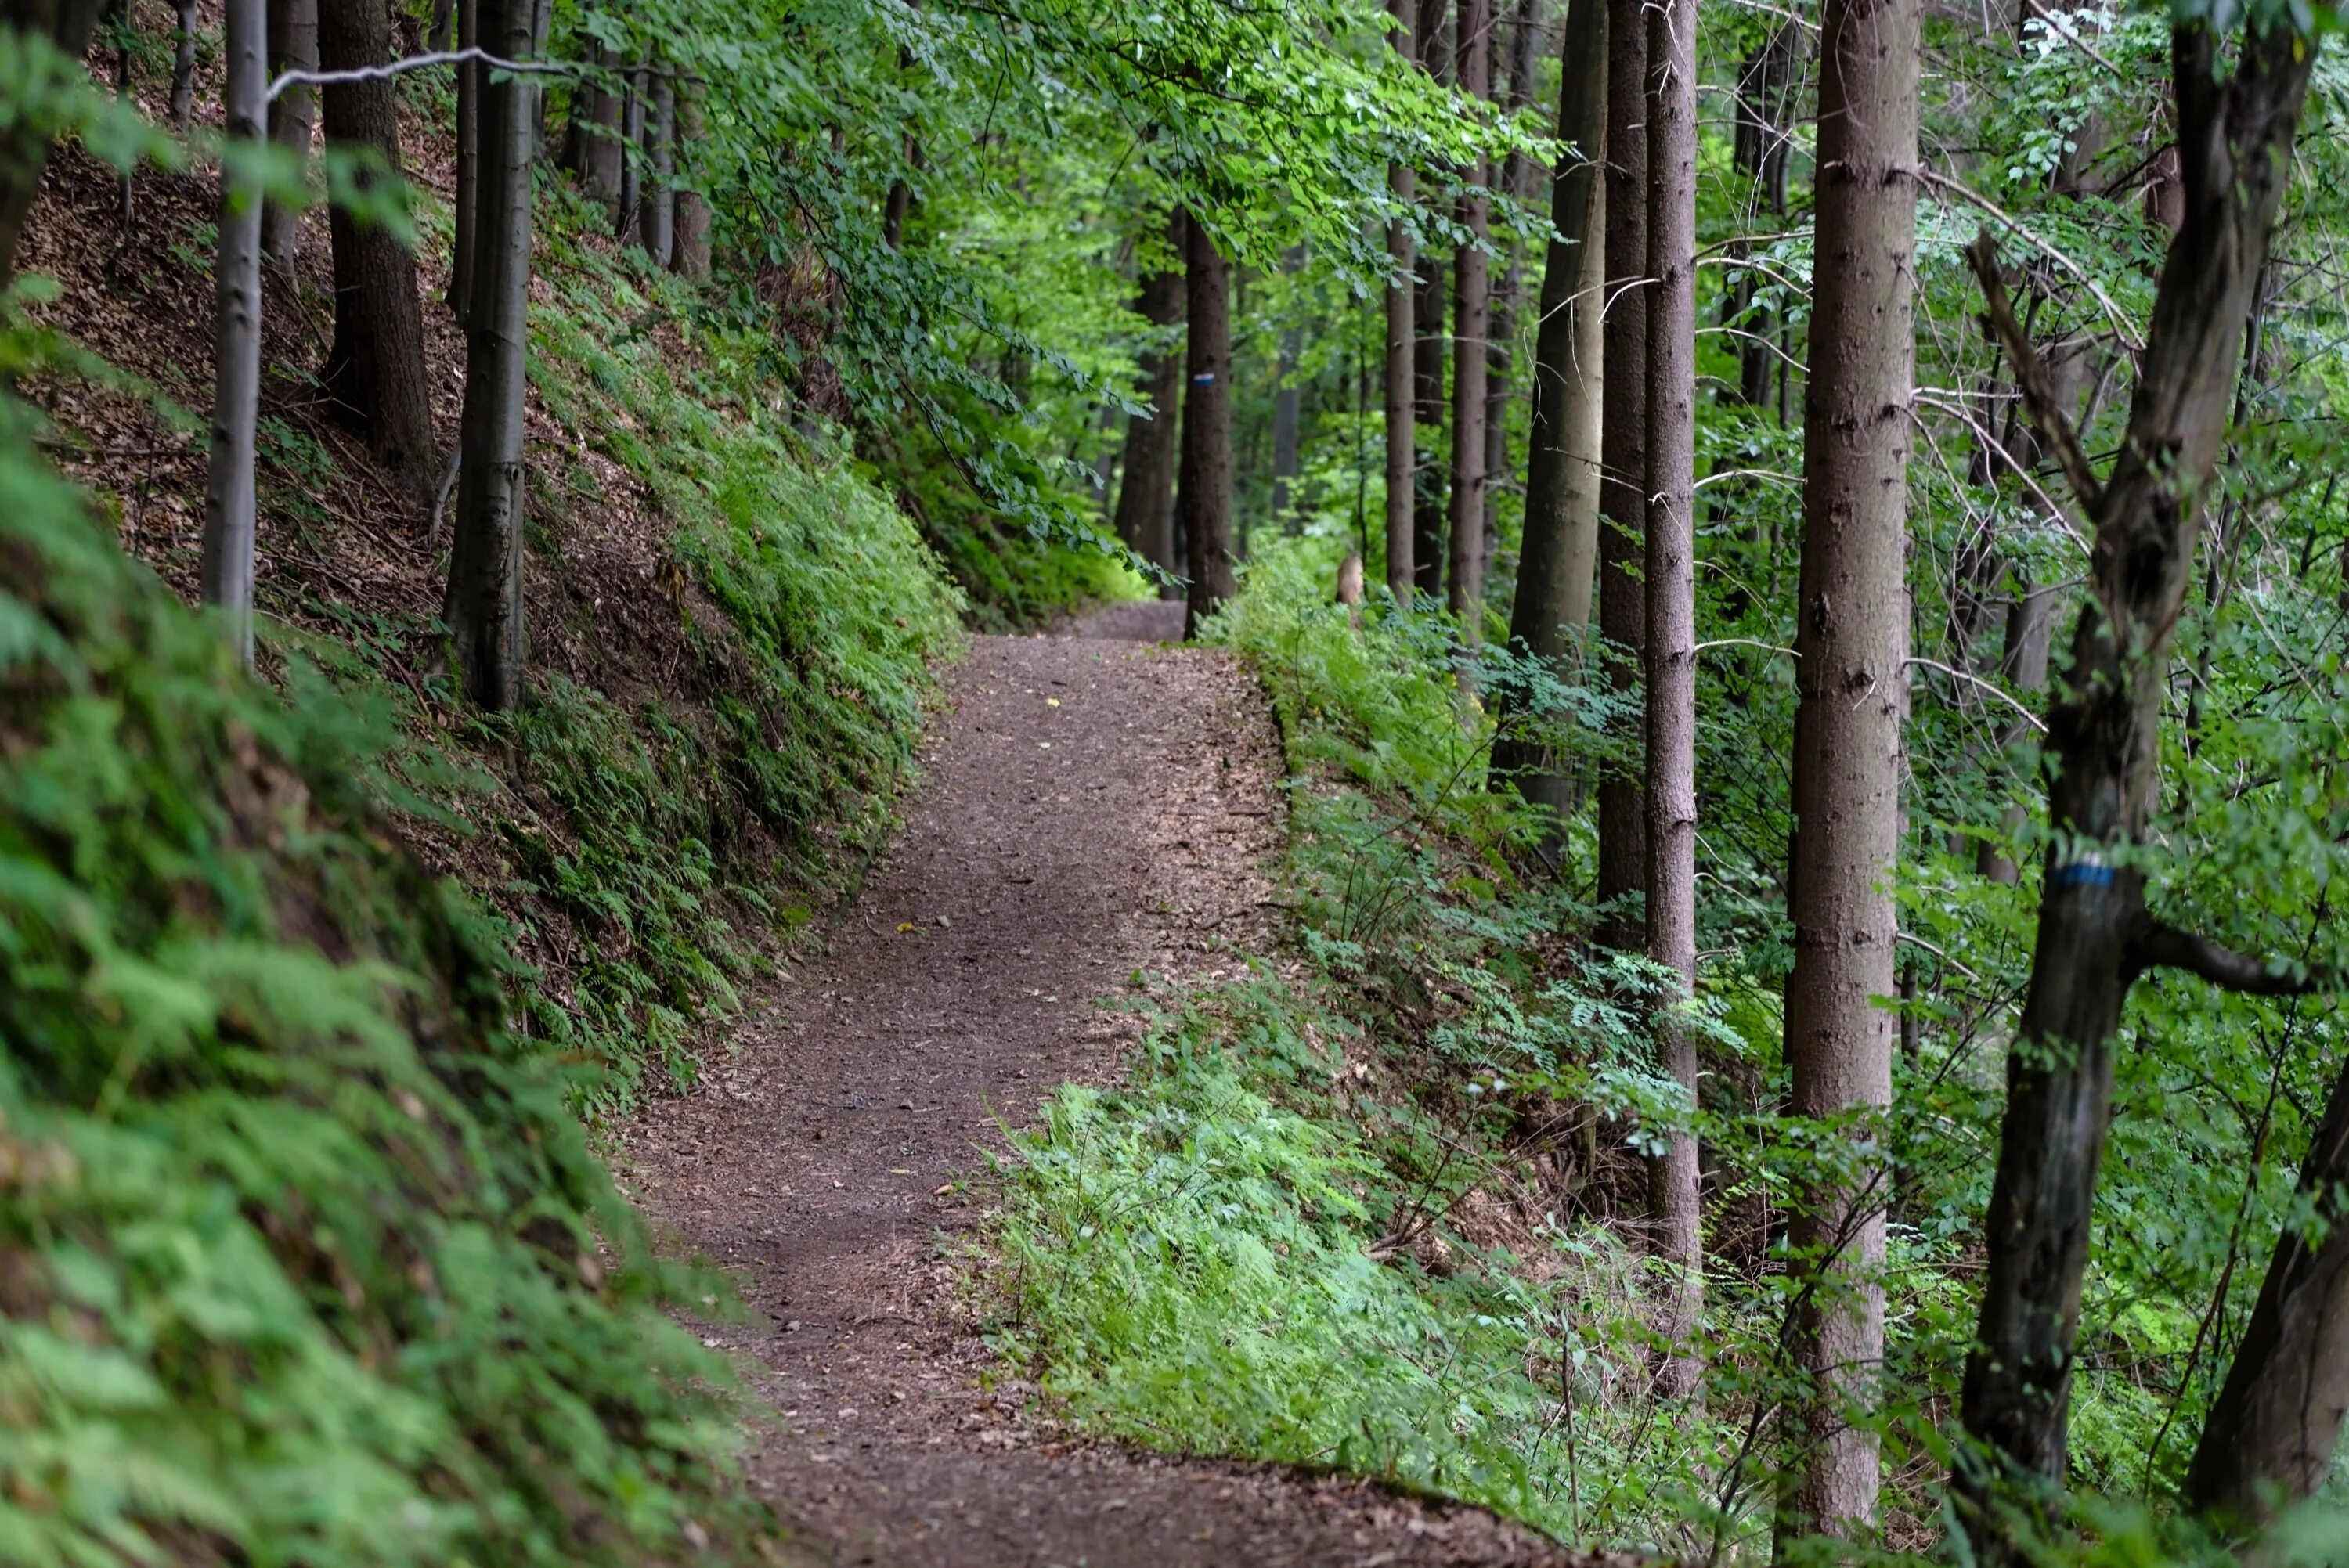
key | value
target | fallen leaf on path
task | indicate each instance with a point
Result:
(942, 1191)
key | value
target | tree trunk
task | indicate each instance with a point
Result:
(375, 369)
(483, 607)
(591, 145)
(656, 205)
(1285, 422)
(2270, 1436)
(1402, 435)
(292, 46)
(1471, 328)
(1623, 467)
(1429, 350)
(1145, 495)
(226, 575)
(1851, 651)
(691, 256)
(24, 140)
(184, 65)
(1561, 526)
(1672, 1176)
(2029, 620)
(1513, 81)
(1206, 480)
(472, 83)
(624, 212)
(2095, 933)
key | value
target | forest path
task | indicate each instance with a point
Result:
(1093, 805)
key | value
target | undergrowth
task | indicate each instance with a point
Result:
(305, 1257)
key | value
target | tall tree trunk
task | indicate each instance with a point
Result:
(2096, 932)
(1145, 494)
(1402, 437)
(690, 257)
(1623, 468)
(65, 24)
(1561, 527)
(292, 46)
(625, 211)
(1672, 1176)
(2270, 1434)
(472, 83)
(591, 144)
(483, 607)
(1514, 79)
(184, 65)
(2029, 620)
(1851, 652)
(226, 574)
(1429, 350)
(375, 369)
(1471, 329)
(1207, 482)
(1287, 406)
(656, 205)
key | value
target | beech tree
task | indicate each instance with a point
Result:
(1851, 651)
(1430, 348)
(64, 26)
(1145, 494)
(483, 607)
(1470, 326)
(226, 574)
(2097, 932)
(1402, 431)
(1206, 468)
(1670, 665)
(293, 114)
(374, 373)
(1559, 549)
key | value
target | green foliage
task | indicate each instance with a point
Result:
(305, 1257)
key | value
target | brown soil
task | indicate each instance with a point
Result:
(1055, 851)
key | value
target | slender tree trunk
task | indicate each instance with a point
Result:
(1207, 482)
(1672, 1176)
(1513, 81)
(1623, 469)
(656, 206)
(1285, 422)
(483, 607)
(118, 16)
(1145, 495)
(1402, 437)
(2095, 933)
(691, 258)
(226, 575)
(375, 369)
(1430, 349)
(1471, 328)
(625, 213)
(472, 83)
(1851, 648)
(292, 46)
(591, 146)
(184, 65)
(24, 140)
(2030, 622)
(1561, 527)
(2270, 1434)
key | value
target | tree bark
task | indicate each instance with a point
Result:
(226, 574)
(2095, 934)
(1561, 527)
(657, 203)
(67, 25)
(2029, 620)
(591, 146)
(375, 369)
(1672, 1176)
(483, 607)
(1428, 351)
(184, 65)
(1403, 435)
(2270, 1434)
(626, 210)
(472, 82)
(1471, 329)
(1623, 469)
(1145, 494)
(1851, 652)
(292, 46)
(690, 257)
(1207, 479)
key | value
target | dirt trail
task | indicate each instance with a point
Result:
(1093, 806)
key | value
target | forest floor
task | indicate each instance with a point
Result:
(1094, 806)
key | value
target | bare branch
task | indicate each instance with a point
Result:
(2030, 375)
(2159, 946)
(2119, 323)
(400, 67)
(2029, 717)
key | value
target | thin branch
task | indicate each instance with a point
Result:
(401, 66)
(2029, 717)
(1745, 643)
(2120, 323)
(2160, 946)
(2030, 375)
